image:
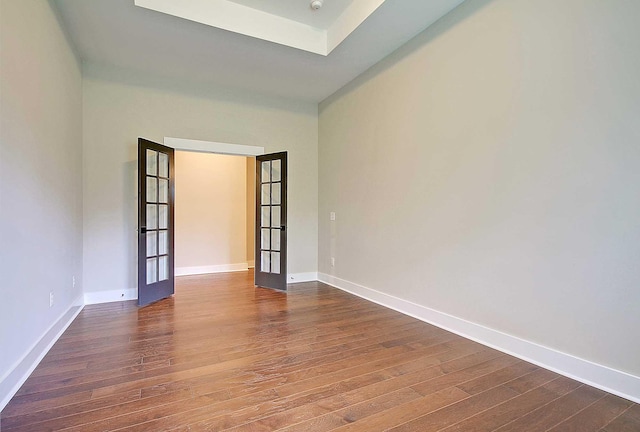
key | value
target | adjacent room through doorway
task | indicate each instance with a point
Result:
(214, 213)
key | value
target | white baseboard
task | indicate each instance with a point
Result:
(16, 376)
(302, 277)
(99, 297)
(110, 296)
(610, 380)
(251, 263)
(223, 268)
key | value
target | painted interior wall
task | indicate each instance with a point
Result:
(489, 169)
(120, 107)
(251, 210)
(210, 212)
(40, 180)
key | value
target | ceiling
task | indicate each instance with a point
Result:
(300, 10)
(294, 23)
(117, 34)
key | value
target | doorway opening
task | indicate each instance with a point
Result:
(214, 213)
(156, 197)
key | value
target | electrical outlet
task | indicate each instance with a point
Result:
(51, 299)
(74, 281)
(332, 216)
(333, 262)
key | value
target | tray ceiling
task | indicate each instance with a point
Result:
(184, 41)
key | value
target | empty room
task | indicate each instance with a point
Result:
(428, 220)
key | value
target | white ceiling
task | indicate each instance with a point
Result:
(117, 34)
(272, 21)
(300, 10)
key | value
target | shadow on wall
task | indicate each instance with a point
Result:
(440, 27)
(130, 216)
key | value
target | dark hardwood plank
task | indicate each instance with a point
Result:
(451, 414)
(224, 355)
(514, 408)
(406, 412)
(594, 417)
(299, 405)
(628, 421)
(549, 415)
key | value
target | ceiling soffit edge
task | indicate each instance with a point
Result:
(260, 24)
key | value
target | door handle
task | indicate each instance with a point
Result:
(143, 230)
(282, 228)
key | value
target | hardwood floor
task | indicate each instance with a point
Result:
(224, 355)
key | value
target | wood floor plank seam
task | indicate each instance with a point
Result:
(223, 354)
(452, 386)
(546, 407)
(577, 414)
(291, 395)
(364, 401)
(137, 374)
(627, 421)
(480, 413)
(87, 411)
(492, 388)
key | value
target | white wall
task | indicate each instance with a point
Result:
(489, 169)
(40, 181)
(119, 108)
(210, 212)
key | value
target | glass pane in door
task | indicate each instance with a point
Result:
(265, 261)
(152, 270)
(152, 162)
(163, 216)
(275, 193)
(265, 244)
(265, 220)
(163, 192)
(266, 171)
(266, 194)
(163, 268)
(163, 165)
(275, 239)
(275, 171)
(275, 262)
(275, 216)
(163, 242)
(152, 216)
(152, 243)
(152, 189)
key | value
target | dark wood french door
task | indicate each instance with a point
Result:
(156, 193)
(271, 221)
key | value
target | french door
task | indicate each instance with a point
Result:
(156, 194)
(271, 221)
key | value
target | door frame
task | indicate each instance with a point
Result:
(213, 147)
(200, 146)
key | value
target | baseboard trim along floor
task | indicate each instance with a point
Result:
(610, 380)
(18, 374)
